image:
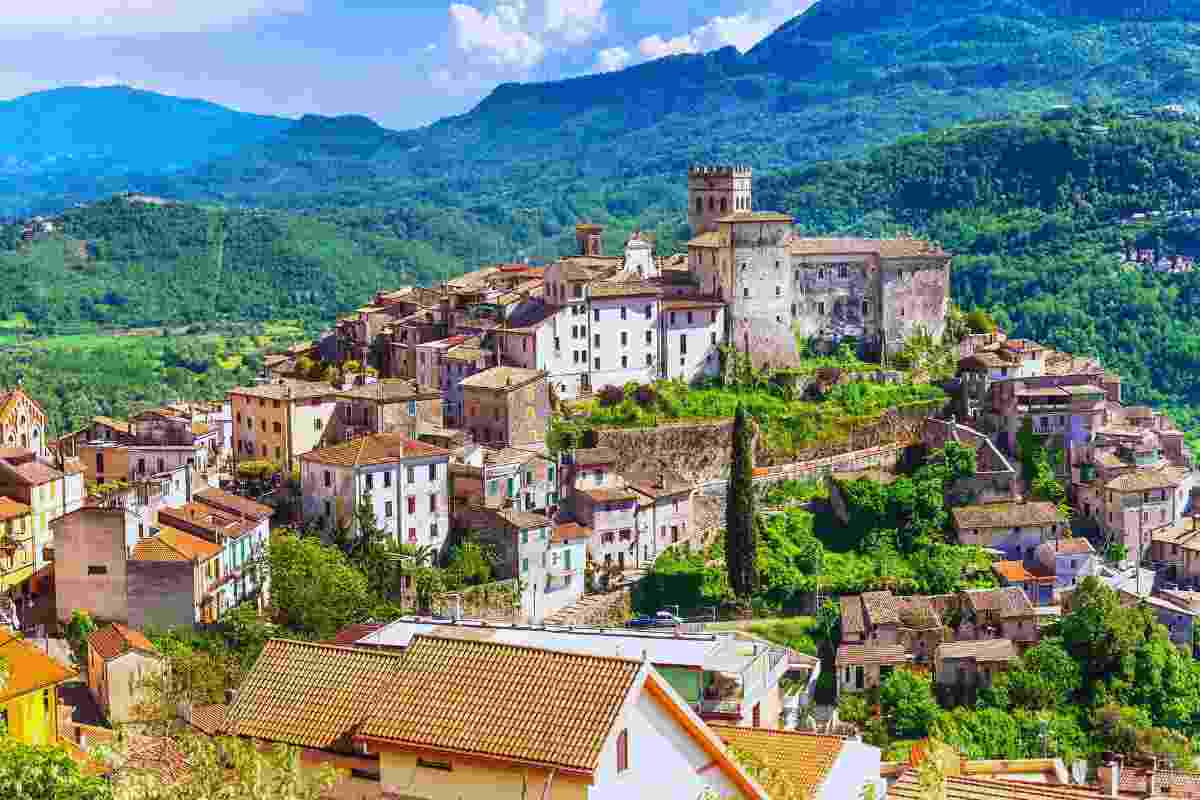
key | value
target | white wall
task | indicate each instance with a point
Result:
(855, 765)
(623, 362)
(703, 350)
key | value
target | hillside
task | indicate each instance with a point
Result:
(118, 262)
(1040, 212)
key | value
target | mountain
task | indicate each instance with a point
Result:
(64, 142)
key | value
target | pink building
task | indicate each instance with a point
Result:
(664, 513)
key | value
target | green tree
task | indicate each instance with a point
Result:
(314, 588)
(45, 773)
(741, 548)
(1046, 677)
(908, 704)
(1100, 633)
(827, 630)
(979, 321)
(78, 629)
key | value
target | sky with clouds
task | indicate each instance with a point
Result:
(401, 62)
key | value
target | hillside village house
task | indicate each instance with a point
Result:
(961, 669)
(1016, 529)
(386, 406)
(29, 698)
(1003, 613)
(863, 667)
(406, 481)
(193, 565)
(664, 512)
(722, 677)
(16, 543)
(633, 736)
(279, 422)
(119, 660)
(506, 407)
(443, 365)
(48, 492)
(490, 478)
(882, 619)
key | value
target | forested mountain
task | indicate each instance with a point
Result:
(1039, 210)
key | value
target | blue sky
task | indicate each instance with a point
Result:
(401, 62)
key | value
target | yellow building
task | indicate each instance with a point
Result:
(16, 542)
(22, 422)
(280, 421)
(29, 700)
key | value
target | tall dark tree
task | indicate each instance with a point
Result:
(741, 539)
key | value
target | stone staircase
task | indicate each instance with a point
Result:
(611, 608)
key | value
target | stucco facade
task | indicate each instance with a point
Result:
(280, 422)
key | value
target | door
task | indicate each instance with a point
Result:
(621, 560)
(858, 678)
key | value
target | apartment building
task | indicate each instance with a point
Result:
(506, 407)
(280, 421)
(601, 500)
(443, 365)
(664, 512)
(691, 332)
(386, 406)
(406, 482)
(16, 543)
(1015, 529)
(490, 478)
(48, 492)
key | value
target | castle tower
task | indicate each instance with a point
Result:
(588, 237)
(714, 192)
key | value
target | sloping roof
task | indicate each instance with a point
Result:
(501, 378)
(116, 640)
(708, 239)
(379, 448)
(649, 484)
(908, 787)
(234, 504)
(535, 706)
(885, 248)
(1141, 480)
(29, 669)
(1073, 546)
(609, 494)
(155, 549)
(311, 695)
(187, 544)
(880, 607)
(35, 473)
(1007, 515)
(980, 650)
(596, 455)
(118, 425)
(209, 719)
(872, 654)
(624, 289)
(1009, 601)
(11, 509)
(296, 390)
(852, 614)
(159, 755)
(569, 531)
(1012, 571)
(804, 758)
(756, 216)
(1172, 783)
(352, 633)
(389, 390)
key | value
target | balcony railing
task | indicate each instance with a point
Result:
(732, 707)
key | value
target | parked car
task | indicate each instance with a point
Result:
(662, 619)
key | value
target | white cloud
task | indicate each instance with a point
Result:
(575, 21)
(495, 38)
(83, 18)
(743, 31)
(612, 59)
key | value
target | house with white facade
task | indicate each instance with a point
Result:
(692, 331)
(664, 512)
(492, 478)
(405, 480)
(600, 499)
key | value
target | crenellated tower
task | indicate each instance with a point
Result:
(714, 192)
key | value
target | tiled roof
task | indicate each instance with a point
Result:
(880, 608)
(192, 547)
(1010, 601)
(536, 706)
(11, 509)
(624, 289)
(380, 448)
(1007, 515)
(118, 425)
(856, 654)
(311, 695)
(521, 520)
(390, 390)
(917, 612)
(852, 614)
(649, 484)
(1142, 480)
(908, 787)
(1012, 571)
(207, 518)
(234, 504)
(210, 719)
(116, 639)
(596, 455)
(708, 239)
(885, 248)
(804, 758)
(155, 549)
(609, 495)
(35, 473)
(352, 633)
(980, 650)
(1168, 782)
(159, 755)
(570, 531)
(501, 378)
(756, 216)
(297, 390)
(686, 303)
(496, 457)
(1073, 546)
(29, 669)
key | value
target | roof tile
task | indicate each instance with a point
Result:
(380, 448)
(804, 758)
(116, 639)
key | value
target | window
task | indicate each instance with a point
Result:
(97, 569)
(649, 337)
(842, 271)
(277, 427)
(370, 481)
(328, 480)
(713, 338)
(649, 311)
(433, 530)
(433, 472)
(672, 317)
(597, 362)
(387, 479)
(433, 502)
(649, 360)
(866, 307)
(278, 455)
(624, 362)
(624, 338)
(412, 505)
(793, 309)
(623, 312)
(550, 473)
(623, 750)
(683, 344)
(387, 509)
(412, 408)
(596, 340)
(746, 292)
(263, 423)
(493, 487)
(596, 314)
(699, 205)
(820, 308)
(779, 291)
(412, 474)
(317, 425)
(577, 290)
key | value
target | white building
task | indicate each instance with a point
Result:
(406, 481)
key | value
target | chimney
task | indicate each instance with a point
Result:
(1109, 774)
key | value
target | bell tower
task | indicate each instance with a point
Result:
(715, 192)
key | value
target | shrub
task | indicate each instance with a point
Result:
(646, 395)
(611, 396)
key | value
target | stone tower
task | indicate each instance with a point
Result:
(588, 238)
(714, 192)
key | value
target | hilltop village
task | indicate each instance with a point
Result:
(412, 449)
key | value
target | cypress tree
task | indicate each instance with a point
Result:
(741, 545)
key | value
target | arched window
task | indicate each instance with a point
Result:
(712, 204)
(724, 205)
(699, 205)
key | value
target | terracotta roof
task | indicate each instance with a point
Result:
(118, 425)
(389, 390)
(1074, 546)
(209, 719)
(1010, 601)
(1013, 571)
(885, 248)
(521, 520)
(35, 473)
(1007, 515)
(885, 654)
(352, 633)
(11, 509)
(29, 669)
(159, 755)
(192, 547)
(708, 239)
(624, 289)
(756, 216)
(687, 303)
(234, 504)
(117, 640)
(980, 650)
(379, 448)
(1141, 480)
(880, 608)
(852, 614)
(570, 531)
(155, 549)
(609, 495)
(649, 485)
(917, 612)
(596, 455)
(299, 390)
(200, 428)
(1168, 782)
(536, 706)
(908, 787)
(502, 378)
(207, 518)
(804, 758)
(311, 695)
